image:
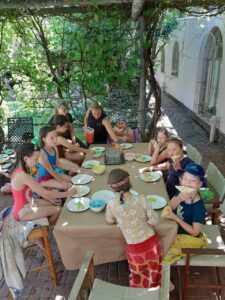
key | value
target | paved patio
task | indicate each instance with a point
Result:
(39, 285)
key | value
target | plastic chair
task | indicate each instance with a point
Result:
(86, 287)
(193, 154)
(217, 181)
(16, 128)
(212, 256)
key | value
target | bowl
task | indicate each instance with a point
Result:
(129, 156)
(97, 205)
(99, 169)
(97, 154)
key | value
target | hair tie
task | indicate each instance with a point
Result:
(115, 185)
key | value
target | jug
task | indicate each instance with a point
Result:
(89, 134)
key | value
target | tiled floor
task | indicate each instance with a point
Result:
(38, 285)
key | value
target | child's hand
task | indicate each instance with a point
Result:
(177, 158)
(148, 169)
(56, 202)
(117, 130)
(67, 185)
(172, 216)
(118, 147)
(72, 192)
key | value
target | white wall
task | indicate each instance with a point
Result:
(190, 35)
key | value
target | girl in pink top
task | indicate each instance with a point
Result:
(23, 185)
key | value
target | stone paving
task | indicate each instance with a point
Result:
(38, 285)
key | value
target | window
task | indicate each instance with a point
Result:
(208, 74)
(163, 61)
(175, 60)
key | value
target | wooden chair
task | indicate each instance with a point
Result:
(212, 256)
(217, 181)
(86, 287)
(193, 154)
(42, 232)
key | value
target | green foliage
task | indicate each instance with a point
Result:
(80, 57)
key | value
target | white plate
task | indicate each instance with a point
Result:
(156, 201)
(8, 151)
(3, 159)
(150, 176)
(3, 156)
(125, 146)
(142, 158)
(98, 148)
(82, 190)
(6, 166)
(88, 164)
(78, 204)
(134, 193)
(82, 179)
(103, 194)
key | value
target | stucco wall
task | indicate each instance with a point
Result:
(190, 35)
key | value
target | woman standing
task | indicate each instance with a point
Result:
(96, 119)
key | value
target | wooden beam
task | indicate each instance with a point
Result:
(37, 4)
(61, 11)
(137, 8)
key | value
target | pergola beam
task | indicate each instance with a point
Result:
(63, 7)
(38, 4)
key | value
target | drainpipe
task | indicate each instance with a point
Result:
(213, 122)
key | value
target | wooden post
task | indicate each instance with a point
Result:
(142, 89)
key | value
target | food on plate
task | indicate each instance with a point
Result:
(78, 206)
(151, 200)
(79, 191)
(147, 176)
(141, 158)
(99, 169)
(166, 211)
(129, 156)
(184, 189)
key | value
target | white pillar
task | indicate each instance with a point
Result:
(213, 122)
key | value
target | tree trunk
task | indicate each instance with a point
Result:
(142, 89)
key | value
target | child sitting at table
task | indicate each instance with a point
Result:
(177, 161)
(122, 131)
(136, 219)
(49, 160)
(158, 148)
(190, 213)
(23, 184)
(71, 152)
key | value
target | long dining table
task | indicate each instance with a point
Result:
(75, 233)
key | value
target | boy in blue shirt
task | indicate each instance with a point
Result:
(190, 212)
